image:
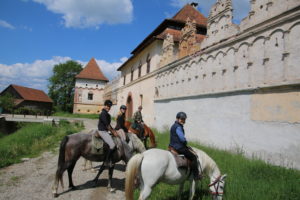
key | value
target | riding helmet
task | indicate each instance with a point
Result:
(123, 107)
(181, 115)
(108, 103)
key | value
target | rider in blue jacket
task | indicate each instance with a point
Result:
(179, 143)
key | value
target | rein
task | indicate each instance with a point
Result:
(216, 186)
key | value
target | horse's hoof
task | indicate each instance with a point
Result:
(112, 190)
(72, 188)
(55, 195)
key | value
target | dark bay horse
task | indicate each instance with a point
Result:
(147, 133)
(74, 146)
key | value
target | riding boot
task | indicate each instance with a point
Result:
(108, 159)
(127, 137)
(195, 171)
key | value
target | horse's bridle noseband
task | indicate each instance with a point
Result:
(216, 184)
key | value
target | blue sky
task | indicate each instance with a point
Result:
(37, 34)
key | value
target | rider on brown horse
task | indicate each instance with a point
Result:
(103, 128)
(138, 122)
(179, 142)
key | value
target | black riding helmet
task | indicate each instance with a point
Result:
(108, 103)
(181, 115)
(123, 107)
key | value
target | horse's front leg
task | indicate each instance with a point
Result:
(180, 190)
(192, 189)
(110, 174)
(99, 172)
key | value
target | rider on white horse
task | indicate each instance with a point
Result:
(179, 143)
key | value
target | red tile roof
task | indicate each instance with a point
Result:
(92, 71)
(31, 94)
(189, 11)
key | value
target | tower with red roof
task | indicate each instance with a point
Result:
(89, 89)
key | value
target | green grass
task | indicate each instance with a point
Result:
(31, 140)
(66, 114)
(246, 179)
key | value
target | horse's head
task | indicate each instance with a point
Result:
(217, 187)
(135, 143)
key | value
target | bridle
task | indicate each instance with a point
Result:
(216, 184)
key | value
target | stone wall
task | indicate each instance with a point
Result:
(242, 89)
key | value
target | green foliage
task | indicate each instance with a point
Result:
(66, 114)
(62, 84)
(31, 140)
(7, 102)
(246, 178)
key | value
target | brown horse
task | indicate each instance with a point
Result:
(74, 146)
(147, 133)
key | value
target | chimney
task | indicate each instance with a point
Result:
(194, 4)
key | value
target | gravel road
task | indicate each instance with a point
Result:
(33, 179)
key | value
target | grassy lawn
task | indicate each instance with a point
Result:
(246, 179)
(65, 114)
(31, 140)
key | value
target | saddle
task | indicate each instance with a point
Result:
(97, 144)
(181, 160)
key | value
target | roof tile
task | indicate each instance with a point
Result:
(31, 94)
(92, 71)
(189, 11)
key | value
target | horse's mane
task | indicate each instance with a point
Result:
(207, 163)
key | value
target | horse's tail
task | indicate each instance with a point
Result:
(131, 171)
(152, 138)
(61, 161)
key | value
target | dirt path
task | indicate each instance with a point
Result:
(32, 179)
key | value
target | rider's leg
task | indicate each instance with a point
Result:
(191, 156)
(108, 139)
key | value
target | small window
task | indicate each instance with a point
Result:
(131, 78)
(124, 80)
(86, 84)
(140, 69)
(90, 96)
(148, 63)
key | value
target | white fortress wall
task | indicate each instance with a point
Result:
(241, 90)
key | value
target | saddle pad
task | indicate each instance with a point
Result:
(181, 161)
(97, 145)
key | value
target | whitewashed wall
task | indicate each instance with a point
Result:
(242, 90)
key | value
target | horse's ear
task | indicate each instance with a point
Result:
(224, 177)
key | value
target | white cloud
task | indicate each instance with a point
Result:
(241, 7)
(36, 74)
(91, 13)
(6, 24)
(33, 75)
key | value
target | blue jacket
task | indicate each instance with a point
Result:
(177, 136)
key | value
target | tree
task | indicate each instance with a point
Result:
(62, 84)
(7, 102)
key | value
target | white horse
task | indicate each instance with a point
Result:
(155, 165)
